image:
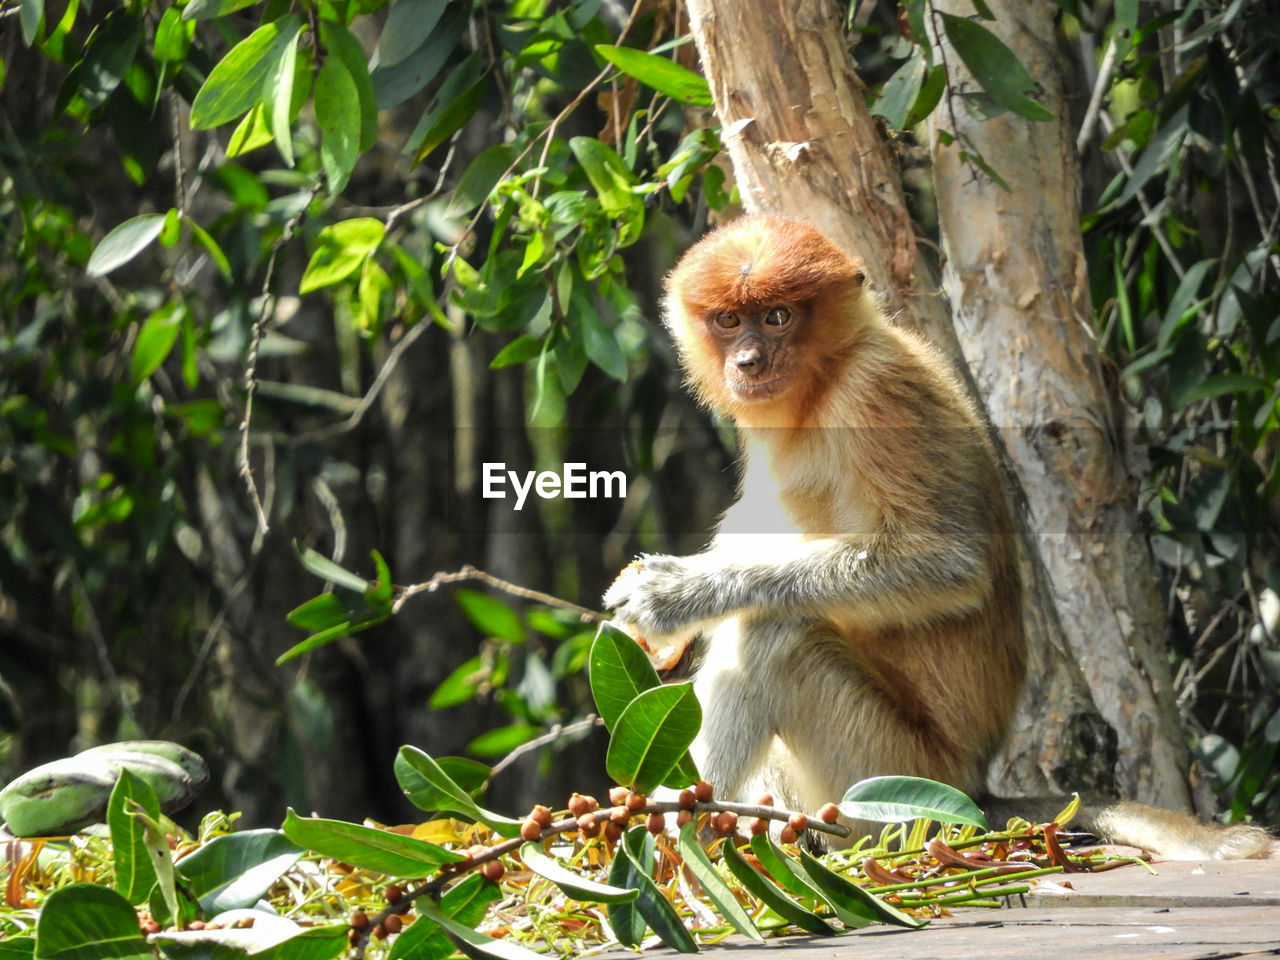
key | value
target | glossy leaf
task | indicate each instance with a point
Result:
(652, 735)
(714, 885)
(472, 943)
(109, 53)
(836, 886)
(897, 799)
(619, 671)
(395, 83)
(650, 901)
(409, 23)
(236, 870)
(579, 888)
(235, 84)
(340, 43)
(155, 340)
(367, 847)
(996, 68)
(465, 902)
(769, 893)
(340, 249)
(135, 874)
(430, 788)
(454, 103)
(337, 104)
(124, 242)
(502, 740)
(608, 174)
(793, 875)
(490, 615)
(277, 96)
(208, 9)
(85, 921)
(665, 76)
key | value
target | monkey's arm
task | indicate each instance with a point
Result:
(887, 578)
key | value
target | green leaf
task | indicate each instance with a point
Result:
(108, 54)
(409, 24)
(608, 174)
(236, 870)
(29, 14)
(340, 43)
(897, 799)
(900, 91)
(156, 338)
(502, 740)
(156, 842)
(340, 250)
(490, 616)
(466, 902)
(520, 350)
(652, 734)
(219, 258)
(650, 901)
(378, 850)
(455, 102)
(124, 242)
(395, 83)
(835, 885)
(479, 179)
(598, 340)
(996, 68)
(770, 894)
(624, 916)
(790, 873)
(1219, 384)
(85, 921)
(430, 788)
(235, 84)
(471, 942)
(619, 671)
(277, 96)
(337, 106)
(458, 687)
(208, 9)
(271, 937)
(326, 569)
(579, 888)
(135, 873)
(663, 75)
(1155, 156)
(713, 885)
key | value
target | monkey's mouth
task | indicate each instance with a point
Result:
(757, 389)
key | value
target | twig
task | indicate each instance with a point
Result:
(551, 736)
(1100, 85)
(255, 345)
(471, 573)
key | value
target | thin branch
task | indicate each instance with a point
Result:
(1100, 86)
(556, 732)
(471, 573)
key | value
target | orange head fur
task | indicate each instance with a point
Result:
(745, 268)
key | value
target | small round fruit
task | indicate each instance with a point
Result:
(541, 815)
(612, 832)
(688, 799)
(579, 804)
(359, 920)
(759, 825)
(529, 830)
(656, 823)
(493, 870)
(725, 823)
(393, 893)
(787, 834)
(765, 800)
(683, 817)
(393, 924)
(635, 802)
(618, 795)
(829, 813)
(798, 822)
(703, 791)
(588, 826)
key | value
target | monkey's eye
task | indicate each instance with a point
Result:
(778, 317)
(726, 320)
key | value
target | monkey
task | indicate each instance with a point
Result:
(858, 610)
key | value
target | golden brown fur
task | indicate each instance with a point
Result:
(859, 607)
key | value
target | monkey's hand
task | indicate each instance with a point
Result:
(652, 596)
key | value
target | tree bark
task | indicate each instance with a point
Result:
(802, 142)
(1016, 276)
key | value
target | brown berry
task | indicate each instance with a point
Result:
(787, 834)
(195, 925)
(393, 924)
(635, 802)
(765, 800)
(618, 795)
(380, 932)
(393, 893)
(687, 799)
(494, 870)
(150, 926)
(541, 815)
(476, 850)
(656, 823)
(829, 813)
(244, 923)
(579, 804)
(588, 826)
(703, 791)
(612, 832)
(759, 825)
(359, 920)
(683, 817)
(529, 830)
(724, 823)
(798, 822)
(620, 815)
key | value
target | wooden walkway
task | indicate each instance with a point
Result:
(1189, 911)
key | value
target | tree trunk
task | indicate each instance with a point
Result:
(1016, 275)
(803, 142)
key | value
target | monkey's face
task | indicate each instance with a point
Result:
(756, 348)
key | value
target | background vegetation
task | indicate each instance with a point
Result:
(369, 246)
